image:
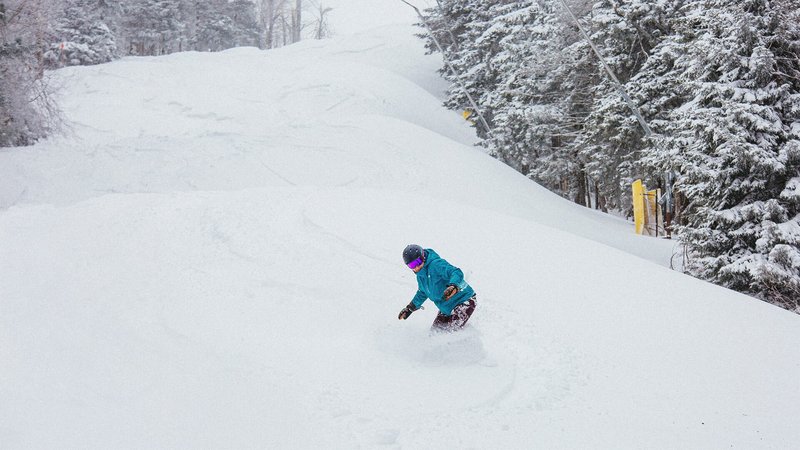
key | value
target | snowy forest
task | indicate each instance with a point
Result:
(718, 82)
(36, 35)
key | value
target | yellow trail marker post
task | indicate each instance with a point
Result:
(638, 206)
(647, 213)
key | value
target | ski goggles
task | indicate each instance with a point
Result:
(415, 263)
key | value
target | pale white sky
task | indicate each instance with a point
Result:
(354, 16)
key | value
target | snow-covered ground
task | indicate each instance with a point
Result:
(211, 258)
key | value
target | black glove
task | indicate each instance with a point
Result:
(450, 291)
(407, 311)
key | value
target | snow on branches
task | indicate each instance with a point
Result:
(717, 80)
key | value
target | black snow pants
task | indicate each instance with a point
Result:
(457, 319)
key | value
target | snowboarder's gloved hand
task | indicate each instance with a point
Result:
(407, 311)
(450, 291)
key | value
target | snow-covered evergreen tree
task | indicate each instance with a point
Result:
(213, 30)
(735, 140)
(626, 33)
(508, 55)
(220, 24)
(718, 81)
(152, 27)
(83, 35)
(539, 95)
(464, 28)
(246, 31)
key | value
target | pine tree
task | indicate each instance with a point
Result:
(464, 28)
(717, 80)
(152, 27)
(220, 25)
(83, 37)
(735, 142)
(543, 96)
(497, 50)
(536, 95)
(245, 23)
(626, 33)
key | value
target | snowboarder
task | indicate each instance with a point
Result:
(444, 284)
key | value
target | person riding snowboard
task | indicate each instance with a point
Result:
(444, 284)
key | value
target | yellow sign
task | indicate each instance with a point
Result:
(467, 115)
(646, 209)
(638, 206)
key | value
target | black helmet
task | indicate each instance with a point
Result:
(413, 252)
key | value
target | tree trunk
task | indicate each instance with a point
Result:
(580, 195)
(297, 21)
(269, 17)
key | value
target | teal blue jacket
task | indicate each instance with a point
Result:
(432, 280)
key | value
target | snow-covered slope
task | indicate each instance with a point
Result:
(211, 258)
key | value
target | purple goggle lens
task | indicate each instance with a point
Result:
(415, 263)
